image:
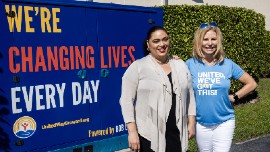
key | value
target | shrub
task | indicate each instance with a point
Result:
(246, 40)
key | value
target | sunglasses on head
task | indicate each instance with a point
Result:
(208, 24)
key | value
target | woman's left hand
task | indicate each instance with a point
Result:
(231, 98)
(191, 126)
(191, 131)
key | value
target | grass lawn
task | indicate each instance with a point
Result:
(252, 119)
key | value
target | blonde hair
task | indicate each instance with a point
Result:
(197, 43)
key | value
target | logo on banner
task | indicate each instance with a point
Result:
(24, 127)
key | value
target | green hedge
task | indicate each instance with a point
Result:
(246, 40)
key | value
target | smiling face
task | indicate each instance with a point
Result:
(209, 43)
(158, 44)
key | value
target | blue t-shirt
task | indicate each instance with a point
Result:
(211, 86)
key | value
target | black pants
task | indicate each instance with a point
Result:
(145, 145)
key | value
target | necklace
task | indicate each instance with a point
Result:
(160, 62)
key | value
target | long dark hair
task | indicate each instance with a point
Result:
(148, 36)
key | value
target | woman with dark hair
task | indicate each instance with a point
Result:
(157, 99)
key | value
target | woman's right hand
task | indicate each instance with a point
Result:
(133, 141)
(133, 137)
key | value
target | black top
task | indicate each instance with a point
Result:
(172, 135)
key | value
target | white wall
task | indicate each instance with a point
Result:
(134, 2)
(260, 6)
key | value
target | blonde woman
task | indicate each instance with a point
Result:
(211, 73)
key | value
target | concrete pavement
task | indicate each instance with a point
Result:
(259, 144)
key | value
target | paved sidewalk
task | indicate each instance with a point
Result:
(259, 144)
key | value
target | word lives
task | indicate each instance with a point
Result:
(207, 81)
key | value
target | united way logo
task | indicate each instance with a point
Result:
(24, 127)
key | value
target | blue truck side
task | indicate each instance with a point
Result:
(61, 64)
